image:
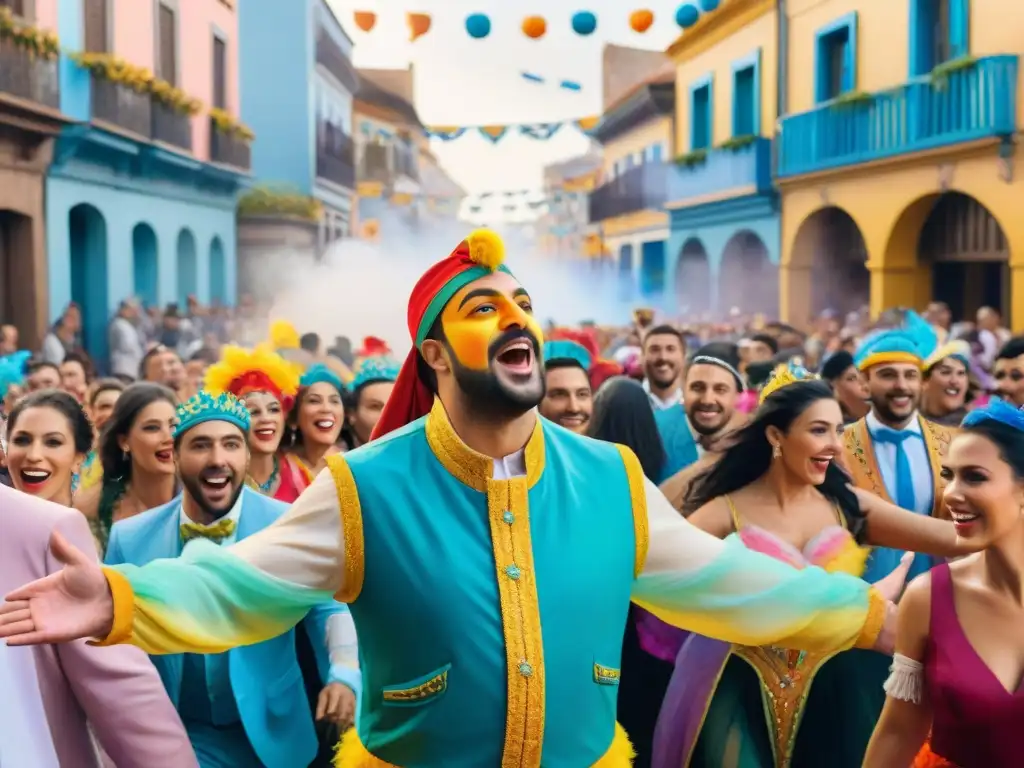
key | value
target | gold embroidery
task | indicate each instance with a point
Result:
(606, 675)
(863, 467)
(436, 685)
(352, 529)
(937, 439)
(786, 678)
(520, 616)
(638, 496)
(466, 465)
(124, 609)
(878, 606)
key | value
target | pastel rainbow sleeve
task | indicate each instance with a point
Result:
(723, 590)
(215, 598)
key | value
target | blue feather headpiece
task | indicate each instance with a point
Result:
(203, 407)
(913, 342)
(12, 370)
(373, 370)
(996, 410)
(564, 349)
(318, 373)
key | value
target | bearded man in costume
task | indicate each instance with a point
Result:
(488, 558)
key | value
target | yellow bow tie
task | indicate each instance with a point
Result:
(216, 532)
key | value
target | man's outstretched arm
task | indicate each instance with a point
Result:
(723, 590)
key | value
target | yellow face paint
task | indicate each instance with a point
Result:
(483, 310)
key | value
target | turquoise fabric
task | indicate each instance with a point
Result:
(264, 678)
(677, 439)
(430, 601)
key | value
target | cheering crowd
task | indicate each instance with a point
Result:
(674, 543)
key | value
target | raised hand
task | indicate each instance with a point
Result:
(72, 603)
(891, 587)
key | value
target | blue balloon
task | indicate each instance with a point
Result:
(584, 23)
(687, 15)
(478, 25)
(709, 5)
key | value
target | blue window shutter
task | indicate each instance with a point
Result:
(656, 153)
(959, 28)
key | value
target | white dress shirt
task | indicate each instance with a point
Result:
(25, 740)
(917, 455)
(235, 514)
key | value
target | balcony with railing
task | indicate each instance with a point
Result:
(970, 101)
(743, 167)
(335, 156)
(28, 77)
(641, 188)
(374, 165)
(171, 126)
(332, 58)
(229, 149)
(122, 106)
(405, 161)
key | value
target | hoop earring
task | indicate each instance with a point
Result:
(776, 451)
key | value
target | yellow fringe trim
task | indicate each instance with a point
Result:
(350, 753)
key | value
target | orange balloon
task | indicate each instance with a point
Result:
(641, 21)
(419, 24)
(534, 27)
(365, 20)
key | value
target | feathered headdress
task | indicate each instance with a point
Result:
(913, 342)
(283, 335)
(374, 347)
(996, 409)
(586, 338)
(12, 370)
(241, 371)
(783, 376)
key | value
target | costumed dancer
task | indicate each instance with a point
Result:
(316, 420)
(777, 490)
(267, 383)
(568, 398)
(894, 452)
(488, 558)
(376, 372)
(947, 384)
(958, 663)
(246, 707)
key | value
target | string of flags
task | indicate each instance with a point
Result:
(495, 133)
(568, 85)
(584, 23)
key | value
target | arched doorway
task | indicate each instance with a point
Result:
(831, 245)
(188, 268)
(693, 278)
(218, 273)
(652, 269)
(17, 275)
(747, 279)
(969, 257)
(625, 279)
(144, 264)
(88, 237)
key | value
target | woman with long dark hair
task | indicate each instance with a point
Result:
(136, 451)
(622, 414)
(778, 488)
(316, 420)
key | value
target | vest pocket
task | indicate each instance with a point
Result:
(416, 693)
(606, 675)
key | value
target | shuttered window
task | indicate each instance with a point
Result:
(20, 8)
(220, 73)
(167, 39)
(95, 12)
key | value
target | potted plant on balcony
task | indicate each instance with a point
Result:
(278, 202)
(692, 159)
(114, 69)
(36, 42)
(174, 99)
(226, 125)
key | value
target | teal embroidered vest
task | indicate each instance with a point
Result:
(490, 613)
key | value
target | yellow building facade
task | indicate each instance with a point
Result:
(895, 156)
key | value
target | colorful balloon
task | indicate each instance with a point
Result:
(687, 15)
(709, 5)
(365, 20)
(584, 23)
(534, 27)
(419, 24)
(641, 21)
(478, 26)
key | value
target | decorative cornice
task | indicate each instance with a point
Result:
(713, 27)
(653, 100)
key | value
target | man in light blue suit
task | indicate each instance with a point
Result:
(246, 708)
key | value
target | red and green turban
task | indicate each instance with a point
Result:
(479, 255)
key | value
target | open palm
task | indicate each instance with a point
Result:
(72, 603)
(891, 587)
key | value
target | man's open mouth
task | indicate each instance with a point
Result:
(517, 356)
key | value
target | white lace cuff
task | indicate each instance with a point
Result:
(906, 679)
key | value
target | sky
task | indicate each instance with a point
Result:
(462, 81)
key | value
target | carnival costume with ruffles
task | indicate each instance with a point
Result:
(489, 595)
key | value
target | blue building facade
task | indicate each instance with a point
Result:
(300, 104)
(130, 209)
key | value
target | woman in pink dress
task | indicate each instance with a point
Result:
(958, 667)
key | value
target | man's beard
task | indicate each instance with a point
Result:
(194, 488)
(885, 411)
(706, 430)
(488, 395)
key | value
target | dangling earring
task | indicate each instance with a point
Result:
(776, 451)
